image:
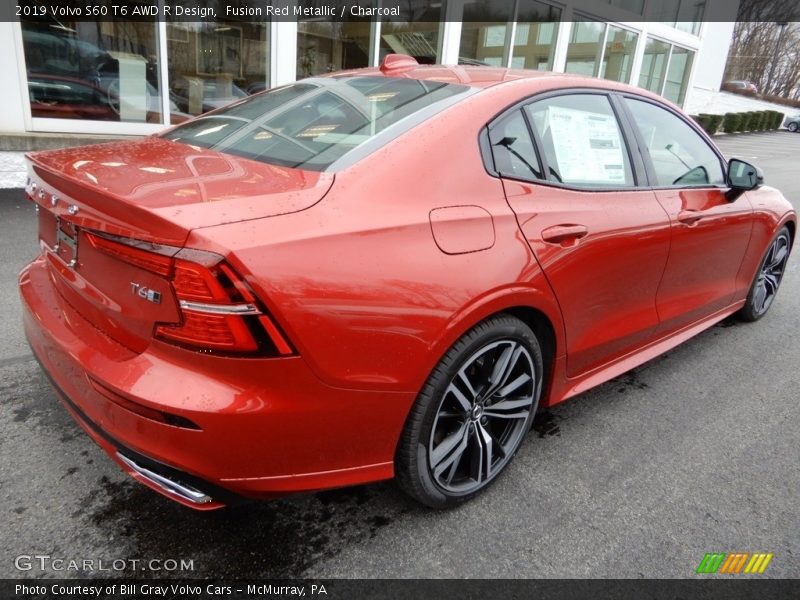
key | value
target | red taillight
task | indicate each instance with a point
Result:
(147, 260)
(219, 311)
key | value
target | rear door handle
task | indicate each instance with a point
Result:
(689, 217)
(564, 234)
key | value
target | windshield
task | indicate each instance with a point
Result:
(312, 123)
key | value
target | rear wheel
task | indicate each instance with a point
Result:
(792, 127)
(472, 414)
(768, 278)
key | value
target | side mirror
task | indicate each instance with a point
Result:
(743, 176)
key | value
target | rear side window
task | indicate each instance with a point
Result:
(312, 124)
(679, 155)
(582, 141)
(512, 148)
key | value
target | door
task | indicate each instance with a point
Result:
(710, 232)
(601, 241)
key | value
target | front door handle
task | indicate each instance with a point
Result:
(564, 234)
(689, 217)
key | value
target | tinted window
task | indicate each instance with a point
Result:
(512, 148)
(680, 156)
(312, 124)
(582, 141)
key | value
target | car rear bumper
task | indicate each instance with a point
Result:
(222, 427)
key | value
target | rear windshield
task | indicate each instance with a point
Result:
(312, 123)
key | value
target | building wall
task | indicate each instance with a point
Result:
(610, 46)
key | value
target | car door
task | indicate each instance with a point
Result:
(710, 228)
(601, 241)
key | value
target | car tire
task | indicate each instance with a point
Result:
(792, 127)
(472, 414)
(768, 278)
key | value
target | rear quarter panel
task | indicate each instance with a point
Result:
(358, 282)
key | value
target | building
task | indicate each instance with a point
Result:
(106, 77)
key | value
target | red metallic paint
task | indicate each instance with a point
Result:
(366, 274)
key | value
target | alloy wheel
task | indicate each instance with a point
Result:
(482, 416)
(769, 278)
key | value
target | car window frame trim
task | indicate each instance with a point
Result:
(627, 133)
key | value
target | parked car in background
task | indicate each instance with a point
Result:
(383, 272)
(740, 86)
(792, 123)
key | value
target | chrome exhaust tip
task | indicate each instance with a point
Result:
(182, 490)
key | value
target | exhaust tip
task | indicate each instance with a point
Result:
(182, 490)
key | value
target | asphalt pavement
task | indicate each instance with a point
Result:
(697, 451)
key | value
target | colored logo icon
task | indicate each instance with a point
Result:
(734, 563)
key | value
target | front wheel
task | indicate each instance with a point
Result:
(768, 278)
(792, 127)
(472, 414)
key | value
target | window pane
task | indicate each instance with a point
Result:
(415, 32)
(512, 148)
(685, 15)
(680, 65)
(535, 40)
(582, 141)
(680, 156)
(212, 64)
(654, 64)
(324, 46)
(633, 6)
(103, 71)
(618, 57)
(583, 53)
(311, 124)
(484, 31)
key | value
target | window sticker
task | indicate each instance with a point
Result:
(587, 145)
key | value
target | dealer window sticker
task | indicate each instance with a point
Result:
(587, 145)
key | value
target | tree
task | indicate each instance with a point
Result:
(766, 47)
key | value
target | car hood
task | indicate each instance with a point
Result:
(187, 186)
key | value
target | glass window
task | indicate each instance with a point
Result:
(654, 65)
(312, 124)
(324, 46)
(415, 32)
(106, 71)
(582, 141)
(680, 66)
(618, 55)
(512, 148)
(680, 156)
(214, 63)
(485, 32)
(685, 15)
(633, 6)
(535, 39)
(583, 53)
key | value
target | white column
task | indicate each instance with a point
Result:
(638, 55)
(15, 114)
(450, 32)
(283, 52)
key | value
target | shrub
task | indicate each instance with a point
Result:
(760, 121)
(731, 122)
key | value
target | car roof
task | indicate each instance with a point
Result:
(485, 77)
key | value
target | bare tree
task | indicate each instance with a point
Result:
(766, 47)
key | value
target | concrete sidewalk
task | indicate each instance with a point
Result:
(12, 170)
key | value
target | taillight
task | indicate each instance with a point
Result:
(219, 311)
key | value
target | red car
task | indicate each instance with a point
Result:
(382, 273)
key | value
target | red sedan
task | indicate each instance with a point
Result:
(382, 273)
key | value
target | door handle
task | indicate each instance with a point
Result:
(689, 217)
(565, 235)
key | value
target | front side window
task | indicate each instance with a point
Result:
(680, 156)
(313, 123)
(582, 141)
